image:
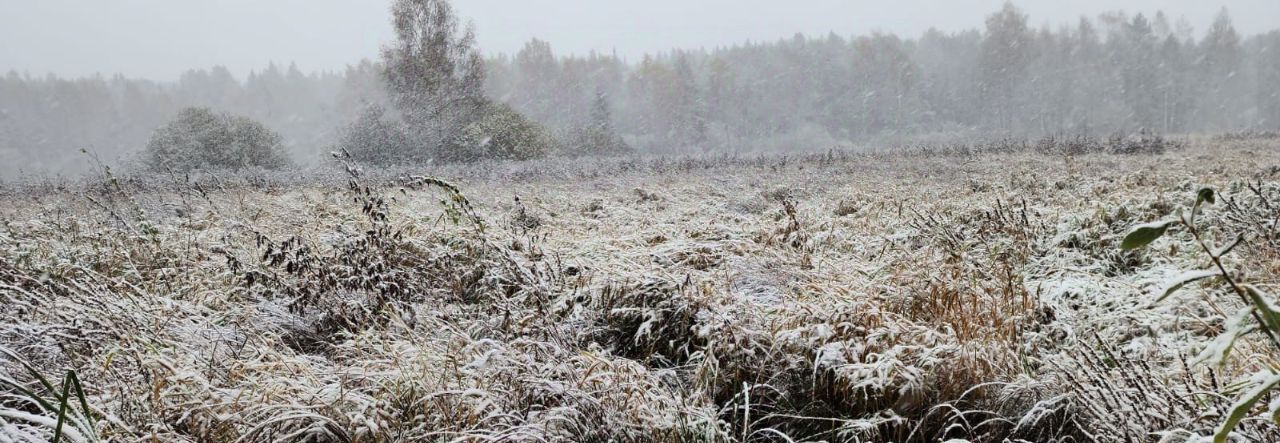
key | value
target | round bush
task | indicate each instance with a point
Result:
(378, 140)
(199, 138)
(500, 133)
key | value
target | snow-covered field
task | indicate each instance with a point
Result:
(978, 295)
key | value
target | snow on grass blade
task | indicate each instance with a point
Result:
(1182, 280)
(1264, 304)
(1263, 383)
(1217, 351)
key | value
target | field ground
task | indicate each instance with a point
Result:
(924, 297)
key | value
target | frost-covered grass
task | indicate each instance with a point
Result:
(967, 294)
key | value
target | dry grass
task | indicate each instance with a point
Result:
(972, 294)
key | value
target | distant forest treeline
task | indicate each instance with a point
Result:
(1116, 73)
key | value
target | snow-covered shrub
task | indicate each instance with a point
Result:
(500, 133)
(200, 138)
(377, 139)
(593, 140)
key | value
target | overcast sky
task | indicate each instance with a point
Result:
(161, 38)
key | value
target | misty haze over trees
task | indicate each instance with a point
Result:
(1118, 73)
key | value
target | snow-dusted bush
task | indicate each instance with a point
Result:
(377, 139)
(200, 138)
(500, 133)
(592, 140)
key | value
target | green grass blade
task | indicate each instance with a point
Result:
(1270, 312)
(63, 408)
(1244, 405)
(74, 379)
(1143, 235)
